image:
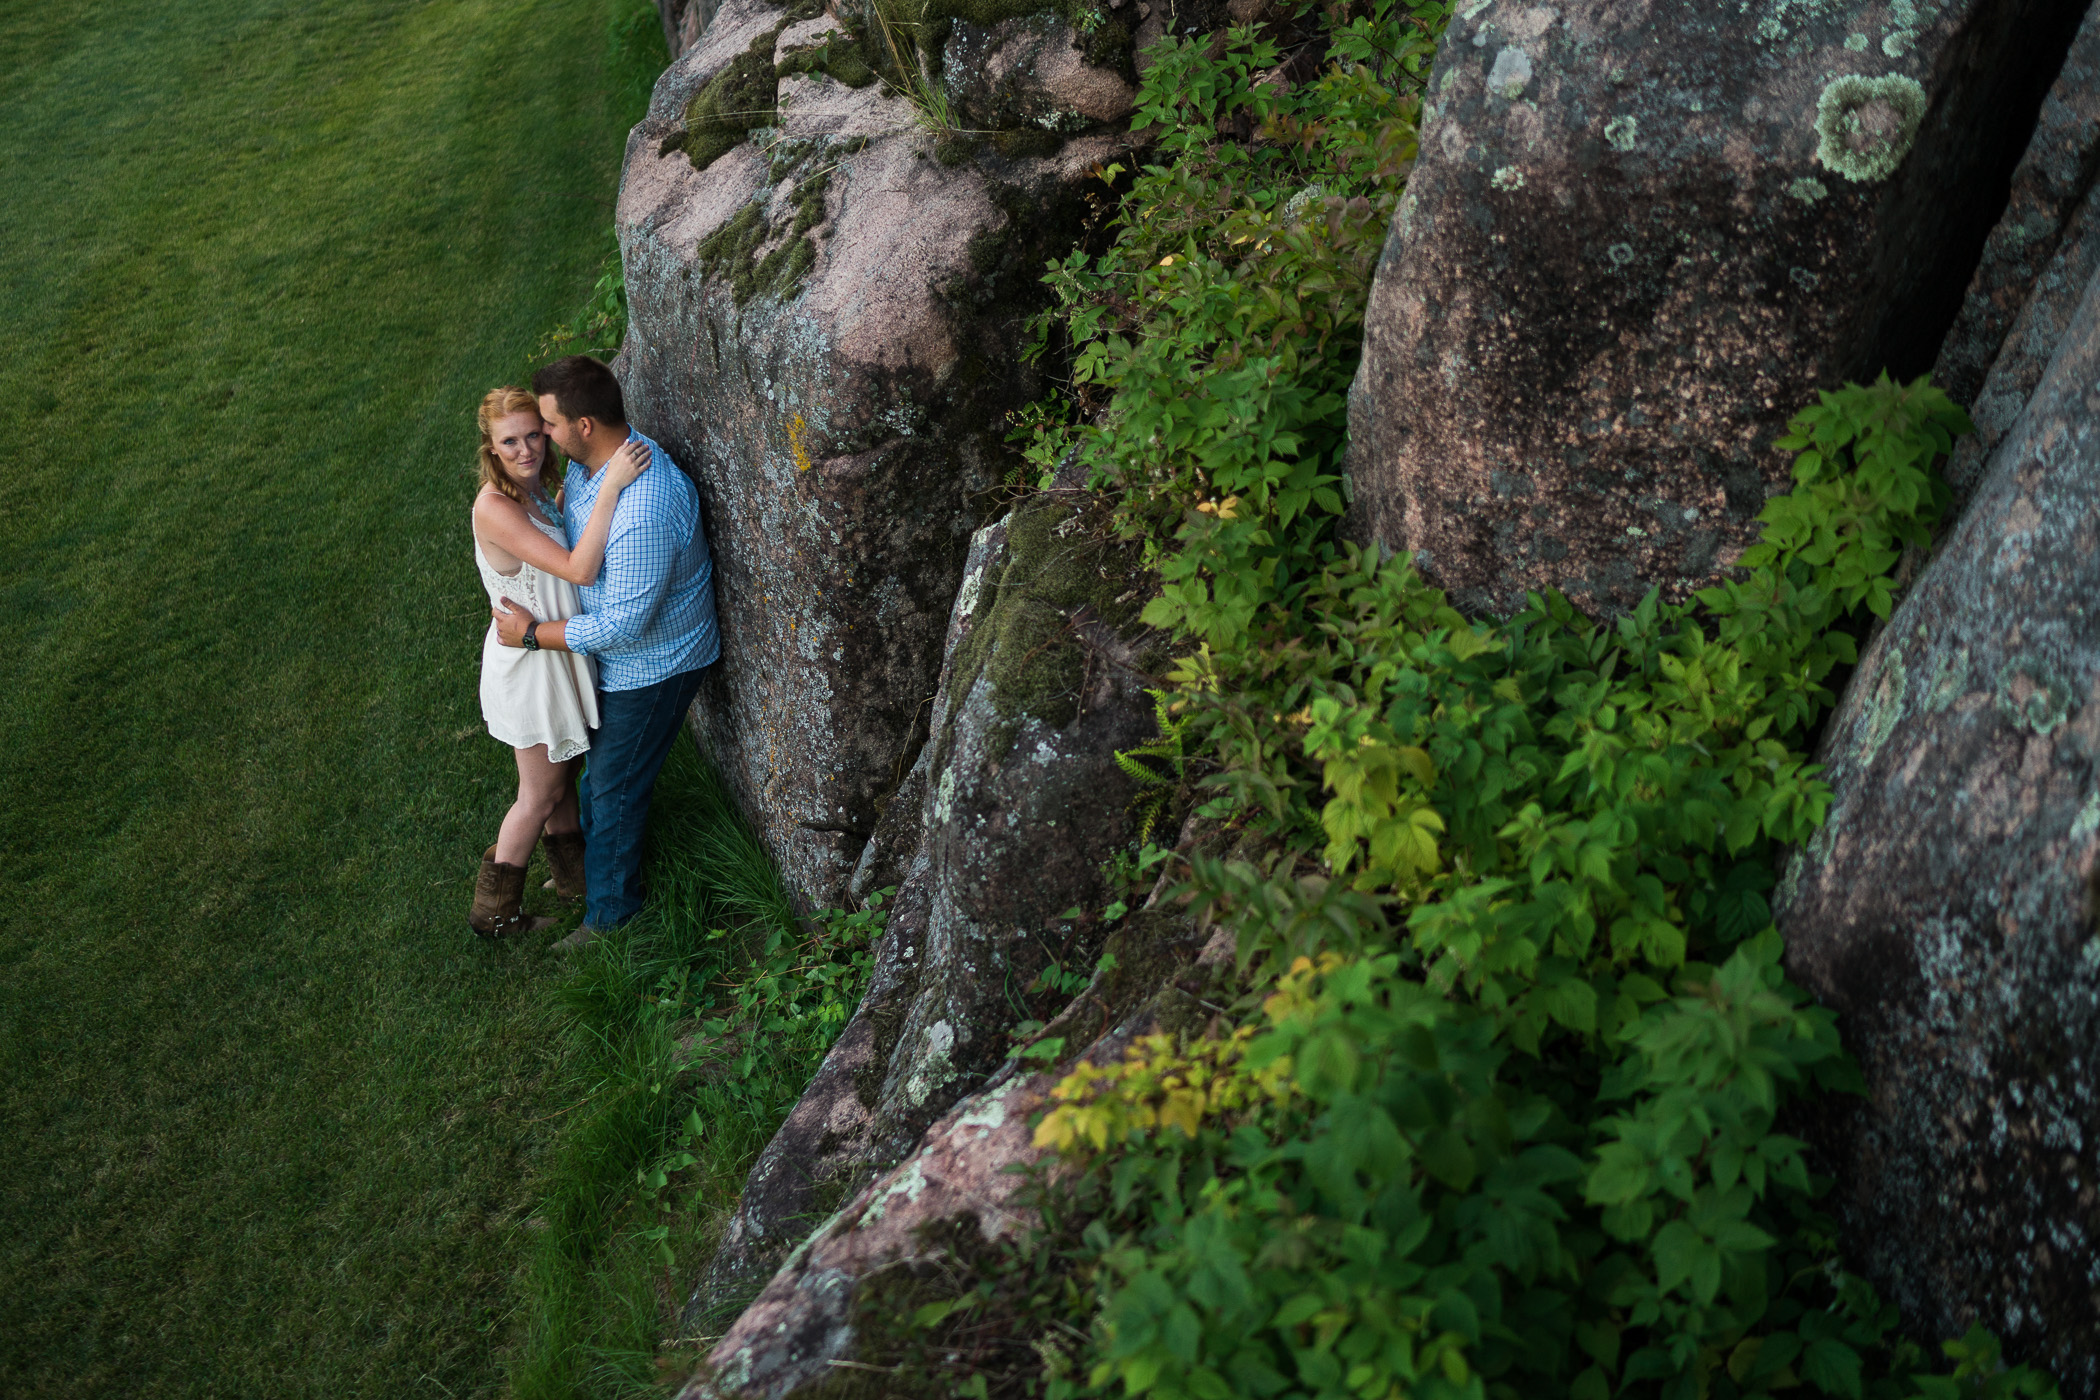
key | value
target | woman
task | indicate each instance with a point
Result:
(542, 703)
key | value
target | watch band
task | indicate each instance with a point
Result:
(532, 640)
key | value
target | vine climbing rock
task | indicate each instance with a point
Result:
(1947, 911)
(1637, 239)
(826, 306)
(1014, 806)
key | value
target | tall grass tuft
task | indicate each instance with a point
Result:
(686, 1036)
(915, 79)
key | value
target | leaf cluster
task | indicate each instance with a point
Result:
(600, 324)
(1213, 342)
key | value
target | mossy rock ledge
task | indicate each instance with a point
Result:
(1001, 829)
(824, 326)
(1637, 240)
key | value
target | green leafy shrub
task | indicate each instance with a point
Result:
(600, 324)
(1214, 341)
(1501, 1113)
(1535, 1073)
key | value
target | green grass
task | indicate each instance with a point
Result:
(600, 1303)
(271, 1115)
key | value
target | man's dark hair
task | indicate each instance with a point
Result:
(582, 388)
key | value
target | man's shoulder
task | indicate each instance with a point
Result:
(666, 482)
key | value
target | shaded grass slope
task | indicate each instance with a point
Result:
(266, 1109)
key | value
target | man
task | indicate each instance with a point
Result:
(649, 621)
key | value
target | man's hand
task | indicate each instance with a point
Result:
(511, 622)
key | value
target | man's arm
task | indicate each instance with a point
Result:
(511, 625)
(631, 585)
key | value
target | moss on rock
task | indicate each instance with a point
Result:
(1062, 568)
(732, 252)
(731, 104)
(841, 56)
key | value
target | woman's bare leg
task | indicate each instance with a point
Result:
(542, 787)
(565, 818)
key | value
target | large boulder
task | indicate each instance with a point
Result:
(826, 298)
(1002, 828)
(1024, 800)
(1948, 909)
(1637, 239)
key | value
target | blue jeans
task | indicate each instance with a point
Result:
(635, 732)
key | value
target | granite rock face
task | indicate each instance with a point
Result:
(1639, 237)
(1948, 909)
(1030, 71)
(1023, 801)
(823, 318)
(2041, 254)
(1001, 828)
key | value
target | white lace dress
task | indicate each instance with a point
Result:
(536, 697)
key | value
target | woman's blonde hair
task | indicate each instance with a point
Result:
(501, 403)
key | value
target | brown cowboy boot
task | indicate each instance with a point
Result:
(499, 897)
(565, 859)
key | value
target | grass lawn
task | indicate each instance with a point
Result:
(270, 1114)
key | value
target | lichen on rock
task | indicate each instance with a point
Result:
(1866, 126)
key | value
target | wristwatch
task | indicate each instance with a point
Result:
(532, 640)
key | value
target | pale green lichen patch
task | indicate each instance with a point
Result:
(1883, 708)
(907, 1187)
(990, 1111)
(1906, 18)
(2031, 695)
(2088, 819)
(1856, 42)
(1622, 133)
(1951, 683)
(935, 1064)
(1865, 126)
(1507, 178)
(1807, 190)
(1511, 72)
(1783, 18)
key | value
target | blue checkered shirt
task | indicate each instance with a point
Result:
(651, 614)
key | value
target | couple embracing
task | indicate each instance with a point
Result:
(602, 593)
